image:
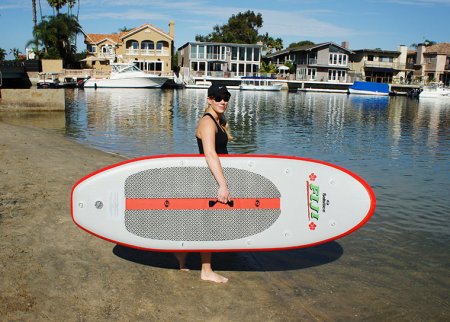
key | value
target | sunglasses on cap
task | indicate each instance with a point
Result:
(219, 98)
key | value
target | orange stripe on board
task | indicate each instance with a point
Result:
(200, 204)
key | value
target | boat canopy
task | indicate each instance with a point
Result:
(370, 86)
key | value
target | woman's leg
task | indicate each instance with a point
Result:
(181, 258)
(207, 273)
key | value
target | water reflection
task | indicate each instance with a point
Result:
(148, 122)
(381, 138)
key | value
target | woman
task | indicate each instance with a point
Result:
(212, 138)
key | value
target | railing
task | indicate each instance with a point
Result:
(381, 64)
(107, 55)
(147, 52)
(83, 73)
(221, 57)
(222, 74)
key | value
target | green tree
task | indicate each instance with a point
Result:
(270, 44)
(125, 29)
(57, 34)
(15, 52)
(427, 42)
(241, 29)
(36, 40)
(301, 44)
(268, 68)
(58, 4)
(2, 54)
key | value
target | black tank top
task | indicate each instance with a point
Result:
(221, 139)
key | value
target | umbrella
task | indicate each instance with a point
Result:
(93, 58)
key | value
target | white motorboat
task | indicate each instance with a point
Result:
(435, 91)
(126, 76)
(199, 84)
(259, 84)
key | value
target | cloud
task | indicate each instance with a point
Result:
(125, 15)
(278, 24)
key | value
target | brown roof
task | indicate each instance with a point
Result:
(96, 38)
(441, 48)
(117, 38)
(143, 26)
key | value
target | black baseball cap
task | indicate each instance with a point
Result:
(218, 91)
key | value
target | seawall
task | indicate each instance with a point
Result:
(32, 99)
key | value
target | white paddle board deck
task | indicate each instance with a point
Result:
(168, 203)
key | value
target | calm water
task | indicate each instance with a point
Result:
(398, 145)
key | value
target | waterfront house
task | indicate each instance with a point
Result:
(149, 47)
(201, 59)
(381, 66)
(325, 62)
(432, 63)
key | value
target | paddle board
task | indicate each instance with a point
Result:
(168, 203)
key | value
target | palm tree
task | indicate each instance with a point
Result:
(2, 54)
(36, 41)
(57, 35)
(57, 4)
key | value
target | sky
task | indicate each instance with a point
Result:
(369, 24)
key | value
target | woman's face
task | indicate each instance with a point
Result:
(219, 104)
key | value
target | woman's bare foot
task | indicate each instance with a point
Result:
(207, 273)
(213, 277)
(181, 258)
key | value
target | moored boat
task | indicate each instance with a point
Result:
(126, 76)
(199, 84)
(435, 91)
(369, 88)
(259, 84)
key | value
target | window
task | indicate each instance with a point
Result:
(337, 75)
(241, 53)
(249, 54)
(312, 73)
(338, 59)
(369, 57)
(193, 51)
(256, 54)
(147, 45)
(234, 53)
(134, 45)
(91, 48)
(301, 73)
(386, 59)
(154, 66)
(201, 52)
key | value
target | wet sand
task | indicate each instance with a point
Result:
(51, 270)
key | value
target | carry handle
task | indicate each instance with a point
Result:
(212, 203)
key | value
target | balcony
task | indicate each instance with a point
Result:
(147, 52)
(214, 57)
(107, 55)
(381, 64)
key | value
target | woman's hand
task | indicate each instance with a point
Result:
(223, 195)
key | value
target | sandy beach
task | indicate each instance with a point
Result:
(53, 271)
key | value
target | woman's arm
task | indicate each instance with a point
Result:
(207, 133)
